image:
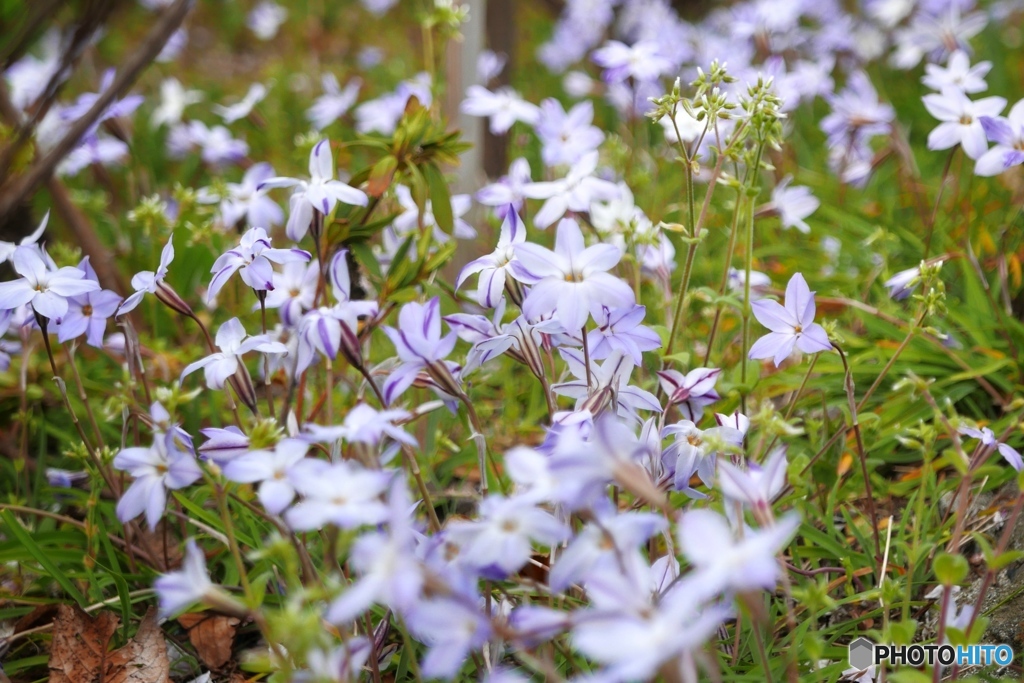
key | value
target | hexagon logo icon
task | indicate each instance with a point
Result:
(862, 653)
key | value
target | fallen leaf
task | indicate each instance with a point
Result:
(79, 647)
(212, 635)
(154, 544)
(143, 659)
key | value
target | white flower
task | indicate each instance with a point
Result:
(271, 468)
(333, 104)
(159, 467)
(232, 341)
(321, 192)
(689, 128)
(363, 424)
(147, 281)
(576, 192)
(572, 281)
(173, 100)
(504, 107)
(42, 286)
(187, 586)
(957, 73)
(7, 249)
(960, 120)
(265, 19)
(242, 108)
(794, 204)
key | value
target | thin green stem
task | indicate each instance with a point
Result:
(267, 387)
(229, 531)
(892, 361)
(84, 397)
(796, 397)
(749, 263)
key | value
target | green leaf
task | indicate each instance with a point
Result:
(41, 556)
(364, 255)
(124, 596)
(950, 570)
(440, 199)
(381, 176)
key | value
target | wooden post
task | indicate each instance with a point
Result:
(501, 38)
(461, 67)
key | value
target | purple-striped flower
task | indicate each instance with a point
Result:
(507, 194)
(223, 444)
(251, 259)
(419, 344)
(757, 485)
(494, 267)
(609, 380)
(294, 290)
(620, 330)
(330, 330)
(1008, 134)
(321, 192)
(519, 339)
(791, 325)
(692, 391)
(572, 281)
(694, 451)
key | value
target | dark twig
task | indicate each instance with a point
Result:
(24, 185)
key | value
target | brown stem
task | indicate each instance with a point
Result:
(24, 185)
(855, 425)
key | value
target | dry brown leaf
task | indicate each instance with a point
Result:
(154, 544)
(143, 659)
(79, 648)
(212, 635)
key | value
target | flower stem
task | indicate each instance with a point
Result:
(267, 387)
(83, 397)
(229, 531)
(586, 357)
(855, 425)
(93, 455)
(892, 361)
(749, 262)
(408, 454)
